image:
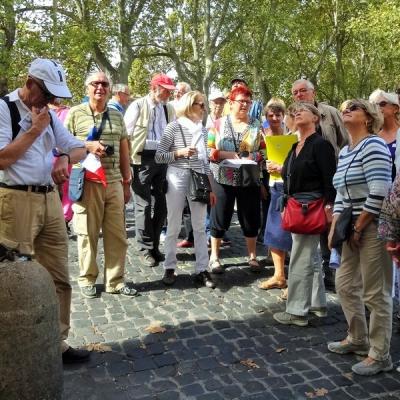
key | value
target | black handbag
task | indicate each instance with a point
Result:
(344, 223)
(199, 184)
(249, 173)
(76, 184)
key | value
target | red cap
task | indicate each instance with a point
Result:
(164, 81)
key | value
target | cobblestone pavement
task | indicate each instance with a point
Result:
(217, 344)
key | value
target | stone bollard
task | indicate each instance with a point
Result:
(30, 353)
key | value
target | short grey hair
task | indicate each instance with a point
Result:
(119, 87)
(301, 105)
(92, 74)
(186, 87)
(308, 84)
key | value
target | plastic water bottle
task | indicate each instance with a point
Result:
(334, 261)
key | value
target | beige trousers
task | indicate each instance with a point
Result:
(101, 208)
(365, 279)
(33, 224)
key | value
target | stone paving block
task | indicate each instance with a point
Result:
(253, 387)
(163, 360)
(210, 396)
(232, 391)
(357, 392)
(193, 390)
(207, 363)
(163, 385)
(143, 364)
(169, 395)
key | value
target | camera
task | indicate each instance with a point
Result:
(108, 149)
(244, 154)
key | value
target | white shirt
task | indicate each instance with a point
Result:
(156, 125)
(34, 167)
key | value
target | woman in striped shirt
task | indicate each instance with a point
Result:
(183, 146)
(364, 278)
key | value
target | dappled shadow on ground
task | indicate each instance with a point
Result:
(251, 358)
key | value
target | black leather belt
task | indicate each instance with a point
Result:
(29, 188)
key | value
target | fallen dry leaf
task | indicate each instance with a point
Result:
(317, 393)
(155, 328)
(249, 363)
(280, 349)
(99, 347)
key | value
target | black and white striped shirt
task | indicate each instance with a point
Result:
(172, 141)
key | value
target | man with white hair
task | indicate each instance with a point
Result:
(331, 125)
(101, 207)
(120, 97)
(34, 223)
(181, 89)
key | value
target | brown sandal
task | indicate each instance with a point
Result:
(272, 283)
(254, 265)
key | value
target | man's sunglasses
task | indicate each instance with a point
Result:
(104, 84)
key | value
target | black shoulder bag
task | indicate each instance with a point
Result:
(199, 186)
(343, 226)
(249, 173)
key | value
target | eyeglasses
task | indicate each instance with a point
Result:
(103, 84)
(382, 104)
(300, 91)
(200, 104)
(354, 107)
(47, 95)
(243, 102)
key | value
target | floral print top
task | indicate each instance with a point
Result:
(223, 137)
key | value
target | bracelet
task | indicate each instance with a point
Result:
(356, 231)
(66, 155)
(127, 181)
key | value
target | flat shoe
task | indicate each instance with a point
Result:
(216, 267)
(284, 294)
(272, 283)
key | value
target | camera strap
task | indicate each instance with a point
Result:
(104, 119)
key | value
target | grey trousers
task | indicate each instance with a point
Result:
(365, 278)
(306, 284)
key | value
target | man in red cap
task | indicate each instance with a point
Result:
(146, 119)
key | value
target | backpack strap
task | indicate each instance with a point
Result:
(14, 114)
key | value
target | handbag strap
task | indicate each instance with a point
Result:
(185, 143)
(288, 172)
(348, 166)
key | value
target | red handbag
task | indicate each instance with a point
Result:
(305, 217)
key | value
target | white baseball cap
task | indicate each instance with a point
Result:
(52, 74)
(216, 94)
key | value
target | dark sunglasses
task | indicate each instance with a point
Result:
(200, 104)
(104, 84)
(47, 95)
(354, 107)
(382, 104)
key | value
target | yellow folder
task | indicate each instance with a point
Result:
(278, 148)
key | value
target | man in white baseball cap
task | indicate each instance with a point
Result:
(28, 133)
(52, 76)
